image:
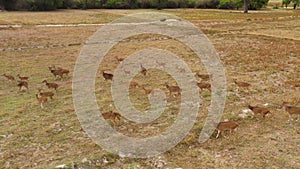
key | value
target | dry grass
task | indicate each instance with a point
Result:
(261, 48)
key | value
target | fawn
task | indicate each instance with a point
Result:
(112, 116)
(23, 78)
(202, 85)
(259, 110)
(107, 76)
(173, 89)
(144, 70)
(226, 125)
(147, 91)
(46, 94)
(241, 84)
(41, 100)
(9, 77)
(22, 84)
(133, 84)
(119, 59)
(203, 76)
(292, 110)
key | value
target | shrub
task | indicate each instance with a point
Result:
(257, 4)
(230, 4)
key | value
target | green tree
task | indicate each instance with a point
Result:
(296, 3)
(230, 4)
(161, 4)
(286, 3)
(257, 4)
(246, 4)
(8, 4)
(44, 5)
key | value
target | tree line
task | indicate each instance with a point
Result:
(42, 5)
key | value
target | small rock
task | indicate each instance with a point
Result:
(104, 160)
(218, 155)
(84, 160)
(246, 111)
(61, 166)
(266, 104)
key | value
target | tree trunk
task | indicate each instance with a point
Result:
(295, 5)
(245, 6)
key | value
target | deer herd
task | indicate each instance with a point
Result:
(58, 72)
(220, 127)
(42, 97)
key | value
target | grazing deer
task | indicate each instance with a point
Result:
(119, 59)
(147, 91)
(173, 89)
(56, 72)
(259, 110)
(22, 84)
(46, 94)
(22, 78)
(50, 85)
(62, 70)
(202, 85)
(112, 116)
(9, 77)
(107, 76)
(144, 70)
(41, 100)
(241, 84)
(292, 110)
(203, 76)
(133, 84)
(226, 125)
(162, 64)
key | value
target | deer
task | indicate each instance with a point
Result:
(119, 59)
(64, 71)
(203, 85)
(23, 78)
(241, 84)
(22, 84)
(46, 94)
(133, 84)
(259, 110)
(8, 77)
(107, 76)
(173, 89)
(112, 116)
(147, 91)
(60, 69)
(203, 76)
(144, 70)
(50, 85)
(41, 100)
(56, 72)
(226, 125)
(292, 110)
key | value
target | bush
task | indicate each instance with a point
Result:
(257, 4)
(172, 4)
(230, 4)
(8, 4)
(206, 3)
(44, 5)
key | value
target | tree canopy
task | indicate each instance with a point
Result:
(128, 4)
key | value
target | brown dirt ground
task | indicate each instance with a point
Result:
(261, 48)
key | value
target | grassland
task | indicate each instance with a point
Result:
(261, 48)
